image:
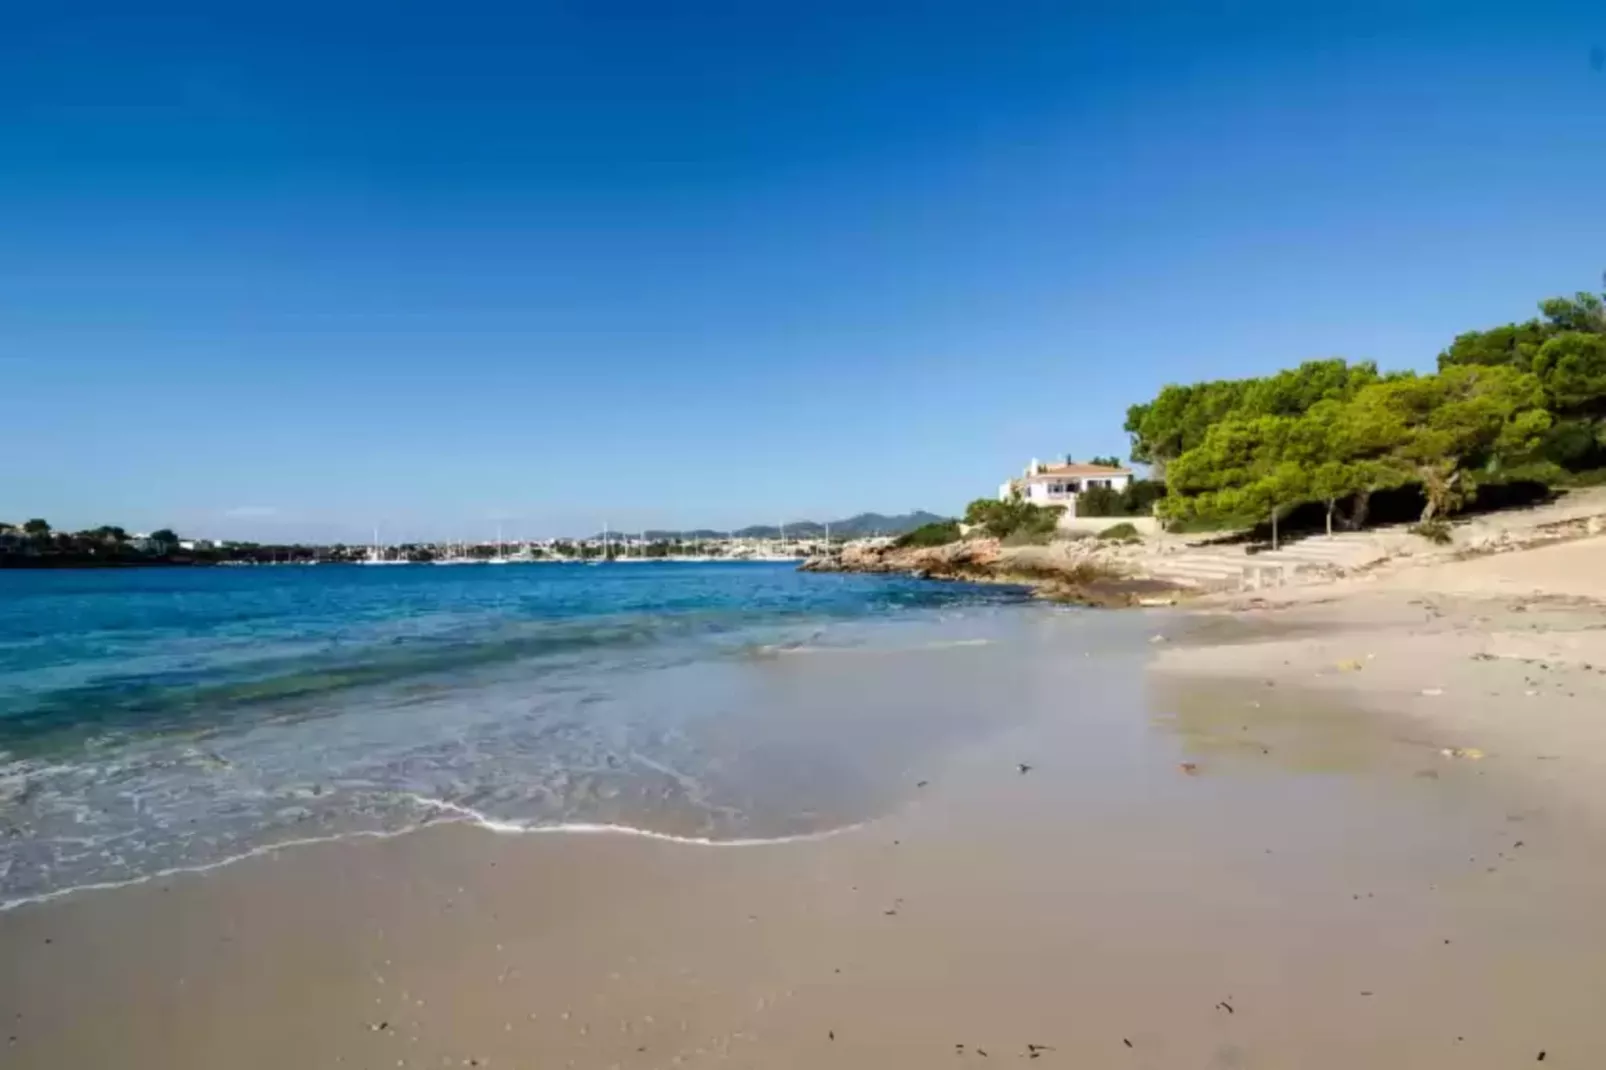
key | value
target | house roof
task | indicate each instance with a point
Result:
(1078, 471)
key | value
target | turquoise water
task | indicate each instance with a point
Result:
(161, 718)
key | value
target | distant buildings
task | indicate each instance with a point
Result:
(1060, 484)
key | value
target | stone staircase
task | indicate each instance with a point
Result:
(1233, 567)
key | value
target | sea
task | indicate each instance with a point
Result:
(165, 719)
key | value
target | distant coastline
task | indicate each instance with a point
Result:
(36, 544)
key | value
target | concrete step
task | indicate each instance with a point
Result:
(1318, 551)
(1200, 567)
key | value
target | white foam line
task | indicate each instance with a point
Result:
(941, 644)
(588, 828)
(176, 871)
(462, 815)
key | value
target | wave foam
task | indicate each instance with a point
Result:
(591, 828)
(459, 814)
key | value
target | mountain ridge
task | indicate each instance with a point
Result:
(856, 526)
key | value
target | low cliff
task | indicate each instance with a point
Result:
(1086, 572)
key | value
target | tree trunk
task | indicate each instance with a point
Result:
(1332, 503)
(1363, 506)
(1439, 487)
(1274, 528)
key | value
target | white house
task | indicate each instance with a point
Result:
(1059, 484)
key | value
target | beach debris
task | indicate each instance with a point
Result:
(1366, 993)
(1156, 638)
(1224, 1005)
(1190, 768)
(1541, 1058)
(922, 783)
(1433, 692)
(1471, 754)
(1035, 1049)
(1023, 767)
(1349, 665)
(378, 1027)
(1125, 1041)
(830, 1034)
(982, 1052)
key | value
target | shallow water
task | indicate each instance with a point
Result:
(152, 719)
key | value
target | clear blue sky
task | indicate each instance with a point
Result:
(302, 270)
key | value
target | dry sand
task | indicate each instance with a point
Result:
(1505, 654)
(1257, 857)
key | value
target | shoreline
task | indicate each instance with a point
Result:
(468, 819)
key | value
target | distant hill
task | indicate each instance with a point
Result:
(852, 527)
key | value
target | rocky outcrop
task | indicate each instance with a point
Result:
(1086, 572)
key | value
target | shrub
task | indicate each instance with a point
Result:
(1435, 531)
(1024, 537)
(940, 533)
(1124, 531)
(1099, 501)
(1001, 519)
(1137, 498)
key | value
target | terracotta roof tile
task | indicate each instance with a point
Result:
(1078, 471)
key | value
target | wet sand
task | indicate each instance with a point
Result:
(1222, 862)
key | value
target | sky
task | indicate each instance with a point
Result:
(295, 271)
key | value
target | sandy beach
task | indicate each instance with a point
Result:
(1353, 825)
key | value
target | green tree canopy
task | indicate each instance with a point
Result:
(1181, 416)
(1515, 344)
(1572, 368)
(1178, 419)
(1330, 431)
(1442, 427)
(1582, 312)
(1245, 467)
(36, 527)
(1433, 429)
